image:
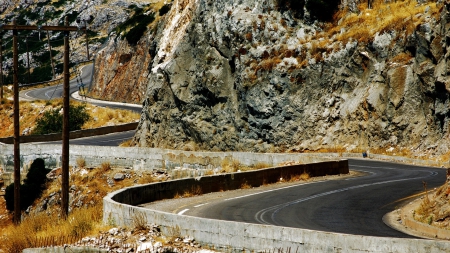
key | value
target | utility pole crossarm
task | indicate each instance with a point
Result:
(44, 27)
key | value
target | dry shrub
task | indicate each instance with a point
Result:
(268, 64)
(245, 185)
(191, 146)
(146, 179)
(230, 166)
(127, 143)
(261, 165)
(302, 177)
(194, 191)
(402, 58)
(209, 172)
(242, 51)
(249, 36)
(106, 166)
(81, 163)
(383, 17)
(139, 221)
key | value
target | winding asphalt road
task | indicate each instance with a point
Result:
(56, 91)
(352, 206)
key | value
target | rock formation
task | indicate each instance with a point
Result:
(234, 75)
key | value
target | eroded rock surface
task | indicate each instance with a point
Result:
(239, 75)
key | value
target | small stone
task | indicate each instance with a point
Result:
(145, 246)
(113, 231)
(119, 176)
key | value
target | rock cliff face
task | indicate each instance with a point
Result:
(122, 71)
(239, 75)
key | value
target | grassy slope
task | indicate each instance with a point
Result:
(30, 112)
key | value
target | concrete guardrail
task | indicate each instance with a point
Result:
(120, 207)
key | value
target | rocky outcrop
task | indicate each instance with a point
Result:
(239, 75)
(121, 71)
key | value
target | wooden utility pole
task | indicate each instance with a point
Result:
(65, 150)
(65, 134)
(51, 57)
(17, 213)
(1, 69)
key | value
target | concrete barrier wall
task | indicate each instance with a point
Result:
(65, 250)
(73, 134)
(230, 236)
(226, 182)
(166, 159)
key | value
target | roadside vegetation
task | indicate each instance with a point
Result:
(39, 116)
(90, 184)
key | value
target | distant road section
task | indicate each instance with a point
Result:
(56, 91)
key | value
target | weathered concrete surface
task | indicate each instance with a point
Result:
(167, 159)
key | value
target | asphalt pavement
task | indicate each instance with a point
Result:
(351, 205)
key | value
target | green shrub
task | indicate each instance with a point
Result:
(322, 10)
(138, 24)
(135, 34)
(32, 187)
(52, 120)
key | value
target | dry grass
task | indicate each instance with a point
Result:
(127, 143)
(245, 185)
(230, 165)
(302, 177)
(261, 165)
(194, 191)
(400, 16)
(81, 163)
(106, 166)
(47, 227)
(34, 230)
(139, 221)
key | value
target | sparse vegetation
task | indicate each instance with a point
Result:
(139, 221)
(364, 25)
(106, 166)
(135, 26)
(245, 185)
(30, 112)
(81, 163)
(194, 191)
(52, 120)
